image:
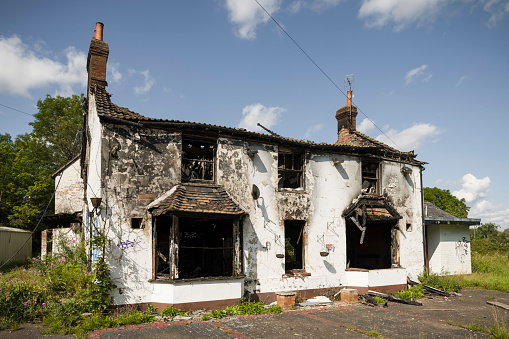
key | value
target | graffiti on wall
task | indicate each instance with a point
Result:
(462, 249)
(129, 245)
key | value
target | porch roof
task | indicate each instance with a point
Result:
(197, 199)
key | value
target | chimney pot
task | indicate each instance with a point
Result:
(349, 98)
(99, 31)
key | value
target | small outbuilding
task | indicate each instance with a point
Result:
(447, 241)
(11, 240)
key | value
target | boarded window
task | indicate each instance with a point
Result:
(198, 160)
(370, 177)
(294, 244)
(290, 169)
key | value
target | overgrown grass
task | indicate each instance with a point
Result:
(245, 308)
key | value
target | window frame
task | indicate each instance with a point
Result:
(370, 178)
(212, 142)
(283, 170)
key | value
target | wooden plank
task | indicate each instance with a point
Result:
(436, 291)
(497, 304)
(395, 298)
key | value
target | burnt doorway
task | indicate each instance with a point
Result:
(294, 244)
(375, 250)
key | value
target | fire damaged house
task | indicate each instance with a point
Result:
(198, 215)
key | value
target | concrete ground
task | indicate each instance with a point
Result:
(439, 317)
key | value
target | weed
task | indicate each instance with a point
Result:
(380, 300)
(227, 332)
(172, 312)
(151, 309)
(414, 292)
(460, 299)
(205, 317)
(476, 327)
(218, 314)
(490, 297)
(373, 333)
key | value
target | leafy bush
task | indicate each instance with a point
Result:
(57, 289)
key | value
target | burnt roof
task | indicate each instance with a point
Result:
(359, 142)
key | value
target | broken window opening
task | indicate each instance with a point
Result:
(195, 248)
(370, 177)
(375, 250)
(290, 170)
(198, 160)
(294, 244)
(136, 223)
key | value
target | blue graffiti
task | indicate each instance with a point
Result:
(128, 244)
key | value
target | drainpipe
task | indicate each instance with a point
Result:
(425, 254)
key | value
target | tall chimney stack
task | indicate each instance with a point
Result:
(347, 115)
(97, 58)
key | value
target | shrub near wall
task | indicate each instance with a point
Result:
(57, 289)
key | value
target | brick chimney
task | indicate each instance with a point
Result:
(97, 58)
(347, 115)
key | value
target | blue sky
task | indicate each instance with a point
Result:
(432, 74)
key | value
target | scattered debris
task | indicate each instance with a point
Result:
(436, 291)
(395, 298)
(316, 301)
(498, 304)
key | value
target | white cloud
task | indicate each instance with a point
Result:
(473, 189)
(460, 81)
(411, 138)
(489, 212)
(147, 83)
(365, 126)
(401, 13)
(24, 70)
(418, 73)
(247, 15)
(497, 10)
(115, 74)
(312, 129)
(296, 6)
(257, 113)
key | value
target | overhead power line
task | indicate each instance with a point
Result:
(17, 110)
(323, 72)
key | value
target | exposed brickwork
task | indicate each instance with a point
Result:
(349, 295)
(96, 62)
(347, 117)
(286, 300)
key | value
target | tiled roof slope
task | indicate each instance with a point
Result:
(351, 139)
(430, 210)
(198, 199)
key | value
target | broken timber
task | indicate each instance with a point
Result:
(497, 304)
(395, 298)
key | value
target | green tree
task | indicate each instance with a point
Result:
(58, 125)
(488, 230)
(26, 164)
(444, 200)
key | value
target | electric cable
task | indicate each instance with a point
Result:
(323, 72)
(17, 110)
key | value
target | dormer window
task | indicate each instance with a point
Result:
(370, 177)
(290, 170)
(198, 159)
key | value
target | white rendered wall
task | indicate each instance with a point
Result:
(69, 192)
(451, 255)
(404, 190)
